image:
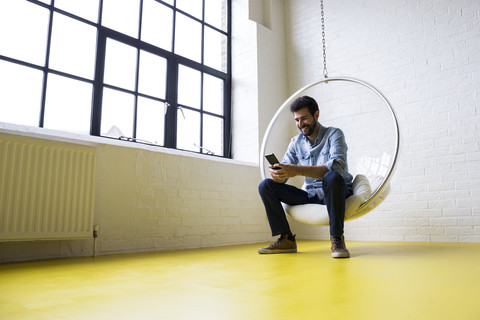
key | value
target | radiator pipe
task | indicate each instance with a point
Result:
(95, 236)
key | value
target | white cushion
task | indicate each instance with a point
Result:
(316, 214)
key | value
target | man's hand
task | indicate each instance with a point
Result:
(281, 172)
(287, 171)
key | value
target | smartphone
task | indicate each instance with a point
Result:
(272, 159)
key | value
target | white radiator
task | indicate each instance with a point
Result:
(46, 189)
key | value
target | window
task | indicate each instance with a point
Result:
(147, 71)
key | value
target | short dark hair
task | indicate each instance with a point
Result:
(304, 102)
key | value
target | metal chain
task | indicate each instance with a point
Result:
(325, 72)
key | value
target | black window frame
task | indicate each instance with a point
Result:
(173, 62)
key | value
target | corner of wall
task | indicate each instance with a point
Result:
(244, 85)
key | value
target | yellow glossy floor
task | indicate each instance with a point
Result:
(382, 280)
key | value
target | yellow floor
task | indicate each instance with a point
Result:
(382, 280)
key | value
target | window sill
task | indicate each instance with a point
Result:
(69, 137)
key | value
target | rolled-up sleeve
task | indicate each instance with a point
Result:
(290, 156)
(338, 152)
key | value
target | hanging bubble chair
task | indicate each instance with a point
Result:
(372, 134)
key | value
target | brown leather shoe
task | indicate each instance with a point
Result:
(282, 245)
(339, 250)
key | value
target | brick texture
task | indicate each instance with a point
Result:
(424, 56)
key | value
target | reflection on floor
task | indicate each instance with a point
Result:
(382, 280)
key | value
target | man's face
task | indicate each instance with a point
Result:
(306, 122)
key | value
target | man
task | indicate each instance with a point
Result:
(320, 155)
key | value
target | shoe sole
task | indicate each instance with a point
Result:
(266, 251)
(340, 255)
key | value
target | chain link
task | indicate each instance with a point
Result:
(325, 72)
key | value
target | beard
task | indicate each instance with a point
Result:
(307, 130)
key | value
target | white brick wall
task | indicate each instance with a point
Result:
(245, 132)
(148, 200)
(259, 75)
(176, 202)
(425, 57)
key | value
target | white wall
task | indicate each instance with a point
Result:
(259, 72)
(149, 200)
(245, 134)
(425, 57)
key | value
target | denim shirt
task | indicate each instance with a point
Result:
(329, 149)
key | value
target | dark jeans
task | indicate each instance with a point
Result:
(334, 187)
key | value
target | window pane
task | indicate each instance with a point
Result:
(213, 135)
(122, 16)
(20, 94)
(24, 29)
(215, 49)
(120, 65)
(212, 94)
(152, 75)
(157, 24)
(151, 120)
(188, 130)
(189, 87)
(193, 7)
(117, 114)
(87, 9)
(68, 104)
(73, 54)
(188, 37)
(216, 13)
